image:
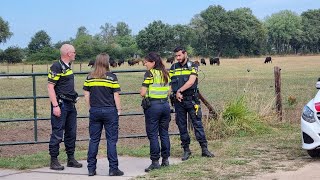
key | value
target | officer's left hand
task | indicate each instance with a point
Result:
(179, 96)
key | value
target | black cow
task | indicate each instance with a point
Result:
(170, 60)
(120, 61)
(91, 63)
(215, 60)
(112, 62)
(203, 61)
(268, 60)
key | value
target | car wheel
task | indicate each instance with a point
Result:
(314, 153)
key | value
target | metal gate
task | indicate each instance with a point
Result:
(35, 118)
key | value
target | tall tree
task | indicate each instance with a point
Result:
(311, 30)
(284, 30)
(107, 33)
(82, 30)
(217, 29)
(39, 41)
(182, 35)
(248, 33)
(122, 29)
(13, 54)
(4, 31)
(156, 37)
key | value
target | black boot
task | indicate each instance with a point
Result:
(72, 162)
(55, 165)
(154, 165)
(165, 162)
(186, 154)
(206, 152)
(117, 172)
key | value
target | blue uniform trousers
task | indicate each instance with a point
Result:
(67, 122)
(108, 118)
(181, 109)
(157, 119)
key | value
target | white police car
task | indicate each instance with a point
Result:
(310, 126)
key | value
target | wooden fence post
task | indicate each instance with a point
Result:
(277, 83)
(80, 67)
(31, 68)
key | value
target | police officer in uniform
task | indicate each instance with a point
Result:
(101, 91)
(63, 112)
(155, 90)
(184, 81)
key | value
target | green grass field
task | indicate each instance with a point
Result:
(219, 84)
(276, 147)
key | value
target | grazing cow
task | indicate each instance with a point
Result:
(203, 61)
(268, 59)
(133, 62)
(170, 60)
(215, 60)
(91, 63)
(120, 61)
(112, 62)
(197, 63)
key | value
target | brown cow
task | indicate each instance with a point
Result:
(197, 63)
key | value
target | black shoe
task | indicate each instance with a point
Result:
(92, 173)
(206, 153)
(74, 163)
(186, 155)
(55, 165)
(117, 172)
(165, 162)
(154, 165)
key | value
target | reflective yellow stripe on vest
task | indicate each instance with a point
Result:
(182, 71)
(157, 89)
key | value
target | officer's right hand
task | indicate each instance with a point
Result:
(179, 96)
(57, 111)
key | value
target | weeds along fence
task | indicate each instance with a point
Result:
(18, 93)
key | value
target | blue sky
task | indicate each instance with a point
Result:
(61, 18)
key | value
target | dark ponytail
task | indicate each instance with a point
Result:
(154, 57)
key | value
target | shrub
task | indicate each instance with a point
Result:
(237, 119)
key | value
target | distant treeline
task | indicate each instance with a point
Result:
(213, 32)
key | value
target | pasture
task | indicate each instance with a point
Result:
(236, 157)
(219, 84)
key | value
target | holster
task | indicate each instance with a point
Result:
(172, 98)
(145, 103)
(70, 99)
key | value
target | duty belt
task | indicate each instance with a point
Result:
(158, 100)
(187, 98)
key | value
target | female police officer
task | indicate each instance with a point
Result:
(101, 91)
(155, 90)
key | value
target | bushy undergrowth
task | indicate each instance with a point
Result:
(237, 119)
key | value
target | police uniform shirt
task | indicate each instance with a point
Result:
(62, 77)
(102, 90)
(147, 79)
(179, 75)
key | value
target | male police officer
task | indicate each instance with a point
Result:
(63, 112)
(184, 83)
